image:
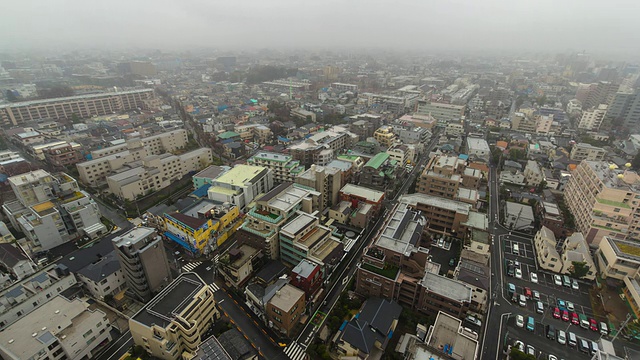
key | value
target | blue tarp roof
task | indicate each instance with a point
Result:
(3, 177)
(464, 156)
(282, 138)
(201, 192)
(344, 324)
(180, 242)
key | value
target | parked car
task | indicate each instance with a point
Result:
(519, 345)
(528, 293)
(561, 304)
(561, 337)
(473, 320)
(574, 285)
(522, 301)
(512, 288)
(534, 277)
(565, 315)
(593, 325)
(536, 295)
(520, 321)
(531, 350)
(556, 313)
(557, 280)
(574, 318)
(570, 306)
(518, 273)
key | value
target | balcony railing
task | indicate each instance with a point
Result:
(258, 232)
(272, 218)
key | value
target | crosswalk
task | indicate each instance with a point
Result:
(295, 351)
(190, 266)
(215, 258)
(214, 287)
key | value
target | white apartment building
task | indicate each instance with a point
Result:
(103, 277)
(543, 124)
(52, 210)
(240, 185)
(23, 297)
(59, 329)
(441, 111)
(345, 87)
(478, 149)
(592, 119)
(156, 172)
(584, 151)
(532, 173)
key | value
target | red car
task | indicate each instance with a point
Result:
(574, 319)
(593, 325)
(565, 315)
(527, 293)
(556, 313)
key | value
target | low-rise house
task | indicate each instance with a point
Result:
(545, 244)
(15, 261)
(369, 332)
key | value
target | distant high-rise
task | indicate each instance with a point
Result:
(144, 261)
(143, 68)
(625, 110)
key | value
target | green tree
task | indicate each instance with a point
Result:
(635, 163)
(541, 186)
(75, 118)
(579, 269)
(542, 100)
(516, 354)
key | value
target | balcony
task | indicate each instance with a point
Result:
(389, 271)
(264, 234)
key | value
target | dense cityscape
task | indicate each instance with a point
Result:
(317, 205)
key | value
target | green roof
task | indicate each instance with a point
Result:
(378, 160)
(228, 135)
(348, 157)
(389, 271)
(614, 203)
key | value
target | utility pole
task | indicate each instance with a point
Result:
(624, 324)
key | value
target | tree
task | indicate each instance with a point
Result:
(541, 187)
(579, 269)
(541, 100)
(635, 163)
(74, 118)
(519, 355)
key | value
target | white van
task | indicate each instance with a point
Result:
(539, 307)
(516, 249)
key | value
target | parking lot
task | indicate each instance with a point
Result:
(538, 339)
(444, 253)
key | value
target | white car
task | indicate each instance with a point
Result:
(574, 285)
(557, 280)
(208, 268)
(520, 321)
(570, 306)
(552, 357)
(473, 320)
(531, 350)
(518, 273)
(519, 345)
(562, 337)
(534, 277)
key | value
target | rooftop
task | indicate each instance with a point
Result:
(101, 268)
(171, 301)
(192, 222)
(613, 177)
(377, 160)
(448, 330)
(211, 172)
(286, 297)
(372, 324)
(477, 144)
(362, 192)
(240, 175)
(269, 156)
(624, 248)
(449, 288)
(402, 230)
(436, 201)
(134, 235)
(71, 98)
(298, 223)
(304, 268)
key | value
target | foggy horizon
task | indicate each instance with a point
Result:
(420, 26)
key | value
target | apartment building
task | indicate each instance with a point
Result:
(302, 114)
(544, 123)
(237, 265)
(625, 108)
(175, 321)
(402, 154)
(322, 147)
(61, 328)
(284, 168)
(303, 234)
(584, 151)
(591, 120)
(359, 194)
(324, 179)
(307, 276)
(111, 159)
(547, 254)
(63, 155)
(208, 175)
(444, 216)
(441, 111)
(532, 173)
(604, 201)
(155, 172)
(396, 267)
(385, 136)
(84, 106)
(380, 172)
(478, 149)
(144, 261)
(364, 125)
(51, 209)
(345, 87)
(28, 294)
(240, 185)
(285, 309)
(263, 222)
(617, 259)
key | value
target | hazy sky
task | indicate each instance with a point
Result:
(595, 26)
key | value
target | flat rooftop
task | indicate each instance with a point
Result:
(287, 297)
(28, 178)
(436, 201)
(211, 172)
(288, 198)
(325, 248)
(71, 98)
(363, 192)
(241, 174)
(448, 330)
(298, 223)
(269, 156)
(134, 235)
(171, 301)
(449, 288)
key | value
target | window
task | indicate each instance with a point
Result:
(87, 334)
